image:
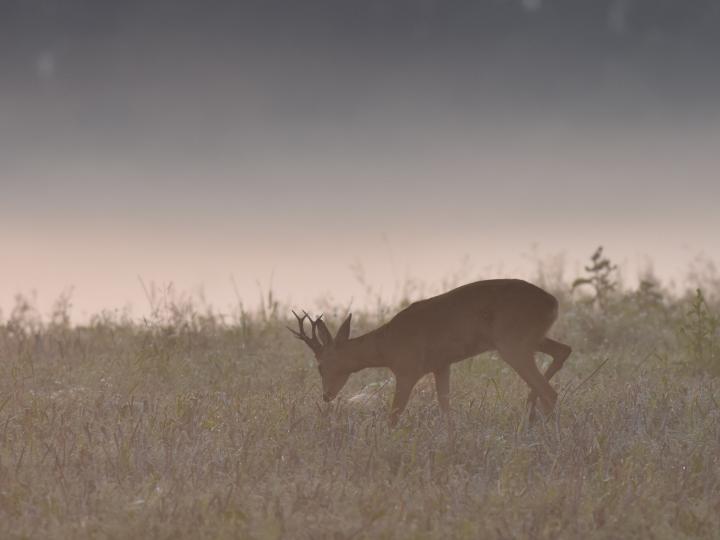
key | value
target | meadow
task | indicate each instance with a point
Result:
(195, 424)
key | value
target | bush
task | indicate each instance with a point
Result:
(698, 335)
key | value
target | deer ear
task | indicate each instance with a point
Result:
(344, 332)
(325, 335)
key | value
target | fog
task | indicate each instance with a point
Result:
(206, 143)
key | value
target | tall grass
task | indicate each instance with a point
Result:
(195, 424)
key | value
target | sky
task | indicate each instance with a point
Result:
(228, 147)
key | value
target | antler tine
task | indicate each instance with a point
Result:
(312, 341)
(301, 325)
(313, 323)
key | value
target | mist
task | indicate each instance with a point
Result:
(213, 143)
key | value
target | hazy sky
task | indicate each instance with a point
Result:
(188, 142)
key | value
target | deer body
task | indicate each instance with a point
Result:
(507, 315)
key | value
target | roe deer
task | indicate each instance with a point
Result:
(508, 315)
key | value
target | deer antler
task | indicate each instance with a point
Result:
(311, 341)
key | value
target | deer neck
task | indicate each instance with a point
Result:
(365, 351)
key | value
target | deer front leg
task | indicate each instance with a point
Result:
(403, 386)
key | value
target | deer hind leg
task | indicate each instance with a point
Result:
(442, 387)
(522, 360)
(559, 353)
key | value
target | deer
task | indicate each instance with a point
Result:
(510, 316)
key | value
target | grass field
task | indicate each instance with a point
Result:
(189, 425)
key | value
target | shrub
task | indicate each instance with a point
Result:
(698, 335)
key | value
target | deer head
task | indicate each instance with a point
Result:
(328, 352)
